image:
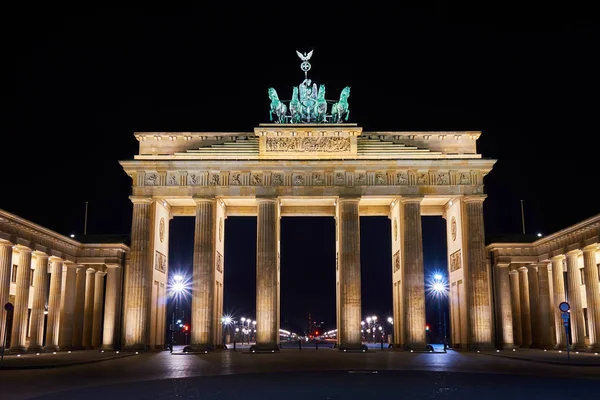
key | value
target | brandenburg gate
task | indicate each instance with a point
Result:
(308, 162)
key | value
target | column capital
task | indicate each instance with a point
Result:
(532, 266)
(472, 199)
(90, 270)
(267, 200)
(55, 259)
(112, 265)
(411, 199)
(39, 254)
(22, 249)
(523, 268)
(559, 257)
(141, 199)
(100, 273)
(350, 199)
(513, 272)
(574, 253)
(200, 200)
(5, 243)
(592, 248)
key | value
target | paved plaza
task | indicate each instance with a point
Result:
(322, 374)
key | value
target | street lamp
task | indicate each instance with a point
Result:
(179, 286)
(438, 288)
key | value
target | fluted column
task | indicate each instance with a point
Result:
(516, 307)
(139, 280)
(525, 307)
(203, 286)
(546, 319)
(414, 278)
(506, 318)
(558, 285)
(97, 309)
(5, 270)
(267, 330)
(56, 266)
(78, 311)
(574, 299)
(478, 274)
(592, 293)
(67, 307)
(19, 329)
(349, 269)
(111, 306)
(40, 289)
(534, 304)
(88, 314)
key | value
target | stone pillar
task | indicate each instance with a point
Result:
(67, 307)
(79, 308)
(558, 284)
(505, 308)
(534, 304)
(546, 319)
(349, 259)
(203, 289)
(478, 275)
(525, 307)
(516, 307)
(21, 307)
(5, 271)
(592, 293)
(112, 310)
(414, 279)
(40, 285)
(574, 299)
(267, 330)
(56, 267)
(139, 278)
(88, 313)
(97, 313)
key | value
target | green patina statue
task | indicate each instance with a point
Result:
(308, 105)
(341, 107)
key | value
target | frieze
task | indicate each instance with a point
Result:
(160, 262)
(340, 178)
(308, 144)
(397, 261)
(219, 262)
(455, 261)
(277, 179)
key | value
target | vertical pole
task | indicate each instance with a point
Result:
(523, 217)
(4, 328)
(85, 220)
(445, 338)
(567, 340)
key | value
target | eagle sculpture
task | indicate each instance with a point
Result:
(305, 56)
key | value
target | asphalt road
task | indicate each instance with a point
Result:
(326, 374)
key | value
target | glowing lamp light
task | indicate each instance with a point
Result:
(390, 320)
(437, 277)
(72, 235)
(539, 234)
(178, 278)
(178, 287)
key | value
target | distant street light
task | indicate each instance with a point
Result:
(438, 288)
(178, 287)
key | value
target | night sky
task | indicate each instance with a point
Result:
(80, 86)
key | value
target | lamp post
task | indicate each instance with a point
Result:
(438, 288)
(177, 289)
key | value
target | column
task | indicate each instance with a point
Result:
(138, 276)
(5, 271)
(40, 279)
(21, 306)
(97, 312)
(203, 287)
(516, 307)
(67, 307)
(88, 313)
(414, 279)
(592, 293)
(534, 304)
(478, 275)
(546, 319)
(558, 284)
(79, 308)
(52, 325)
(574, 299)
(267, 330)
(349, 259)
(525, 307)
(111, 306)
(506, 317)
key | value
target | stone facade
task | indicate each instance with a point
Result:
(331, 170)
(543, 273)
(50, 277)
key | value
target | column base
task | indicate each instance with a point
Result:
(482, 347)
(593, 348)
(17, 350)
(135, 347)
(265, 348)
(419, 347)
(108, 347)
(509, 346)
(50, 348)
(35, 349)
(200, 348)
(353, 347)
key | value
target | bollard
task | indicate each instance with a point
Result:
(300, 345)
(316, 344)
(234, 345)
(381, 344)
